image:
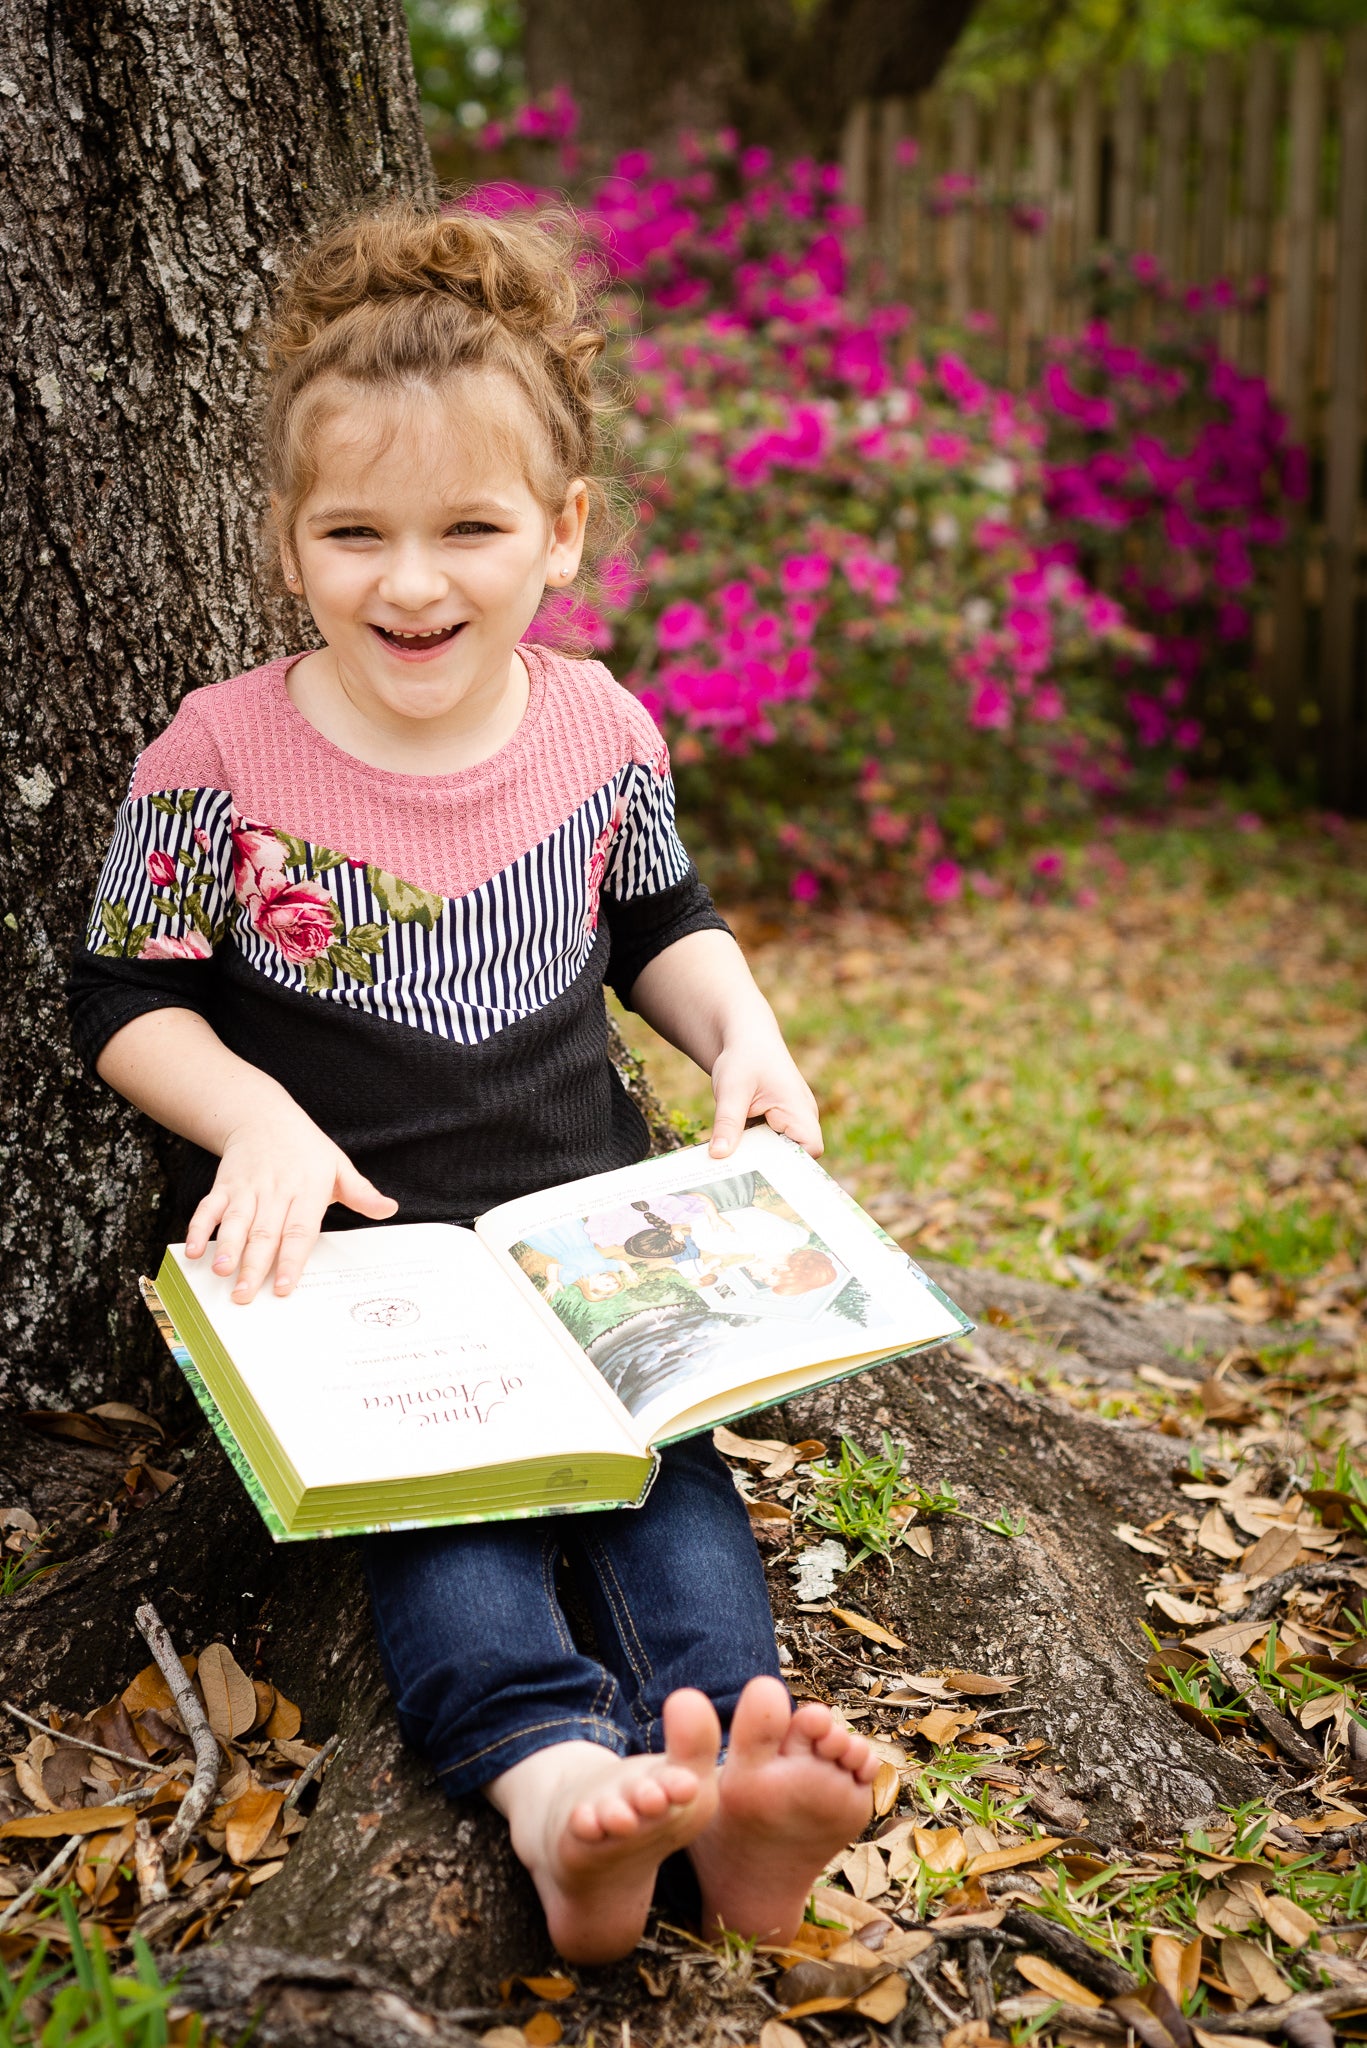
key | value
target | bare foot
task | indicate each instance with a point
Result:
(593, 1827)
(794, 1789)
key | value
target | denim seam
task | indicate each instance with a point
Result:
(548, 1556)
(637, 1658)
(537, 1728)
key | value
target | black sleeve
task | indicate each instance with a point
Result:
(642, 927)
(103, 994)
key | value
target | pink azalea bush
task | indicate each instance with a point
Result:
(872, 605)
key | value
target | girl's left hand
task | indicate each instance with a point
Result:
(757, 1076)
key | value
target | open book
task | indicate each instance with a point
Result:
(422, 1373)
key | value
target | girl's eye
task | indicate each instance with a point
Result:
(352, 533)
(472, 526)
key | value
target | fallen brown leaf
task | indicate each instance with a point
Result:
(229, 1696)
(1176, 1965)
(285, 1720)
(1216, 1537)
(1011, 1859)
(248, 1821)
(542, 2030)
(1288, 1921)
(978, 1685)
(74, 1820)
(1250, 1973)
(940, 1849)
(885, 1788)
(864, 1627)
(778, 2034)
(1048, 1977)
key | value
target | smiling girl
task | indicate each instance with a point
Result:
(351, 941)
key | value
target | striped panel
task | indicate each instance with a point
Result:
(492, 957)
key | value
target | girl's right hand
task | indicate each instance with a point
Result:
(276, 1177)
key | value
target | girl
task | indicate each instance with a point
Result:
(350, 941)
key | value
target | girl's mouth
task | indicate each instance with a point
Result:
(417, 646)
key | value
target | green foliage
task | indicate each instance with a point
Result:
(864, 1498)
(84, 2004)
(468, 58)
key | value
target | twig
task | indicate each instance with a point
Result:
(979, 1980)
(148, 1867)
(78, 1742)
(1287, 1738)
(1272, 2019)
(67, 1850)
(310, 1771)
(1098, 1972)
(955, 2018)
(208, 1760)
(1262, 1604)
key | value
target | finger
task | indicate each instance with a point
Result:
(354, 1191)
(802, 1126)
(297, 1240)
(204, 1222)
(232, 1232)
(263, 1242)
(733, 1106)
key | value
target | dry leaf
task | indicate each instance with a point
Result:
(504, 2037)
(903, 1945)
(248, 1821)
(885, 1788)
(1288, 1921)
(865, 1627)
(265, 1702)
(75, 1820)
(1176, 1965)
(865, 1871)
(1275, 1552)
(778, 2034)
(1216, 1537)
(883, 2001)
(919, 1540)
(980, 1841)
(818, 1943)
(1137, 1541)
(1048, 1977)
(1223, 1403)
(28, 1769)
(1220, 1912)
(941, 1725)
(551, 1988)
(940, 1849)
(972, 2034)
(229, 1696)
(1250, 1973)
(285, 1719)
(262, 1871)
(1011, 1859)
(1234, 1636)
(1187, 1612)
(1209, 2040)
(829, 1904)
(542, 2030)
(978, 1685)
(148, 1693)
(120, 1411)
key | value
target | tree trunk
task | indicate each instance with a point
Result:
(156, 156)
(778, 74)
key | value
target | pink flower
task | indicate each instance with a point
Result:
(944, 882)
(804, 886)
(1048, 866)
(194, 946)
(991, 708)
(202, 840)
(300, 921)
(1248, 821)
(799, 573)
(258, 860)
(598, 864)
(162, 868)
(680, 625)
(1186, 734)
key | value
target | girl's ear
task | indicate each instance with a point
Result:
(567, 535)
(289, 567)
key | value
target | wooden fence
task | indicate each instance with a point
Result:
(1245, 171)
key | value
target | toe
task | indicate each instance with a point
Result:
(649, 1798)
(692, 1731)
(762, 1719)
(809, 1724)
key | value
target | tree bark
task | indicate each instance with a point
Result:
(156, 157)
(778, 74)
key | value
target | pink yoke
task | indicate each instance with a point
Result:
(447, 833)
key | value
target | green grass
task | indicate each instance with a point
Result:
(78, 2001)
(1169, 1085)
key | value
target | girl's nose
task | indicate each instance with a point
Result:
(412, 578)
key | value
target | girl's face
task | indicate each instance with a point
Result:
(422, 552)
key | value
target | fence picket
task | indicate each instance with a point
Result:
(1255, 226)
(1085, 152)
(1170, 231)
(1213, 168)
(1005, 138)
(1342, 738)
(1044, 181)
(1127, 131)
(1305, 162)
(963, 161)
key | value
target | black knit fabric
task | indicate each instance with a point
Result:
(447, 1129)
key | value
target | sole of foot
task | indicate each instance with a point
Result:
(795, 1789)
(604, 1828)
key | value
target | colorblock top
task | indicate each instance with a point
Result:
(418, 960)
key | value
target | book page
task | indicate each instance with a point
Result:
(403, 1352)
(687, 1276)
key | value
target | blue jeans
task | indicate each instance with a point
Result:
(478, 1652)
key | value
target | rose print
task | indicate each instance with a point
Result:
(659, 761)
(202, 840)
(598, 864)
(161, 868)
(258, 861)
(300, 919)
(194, 946)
